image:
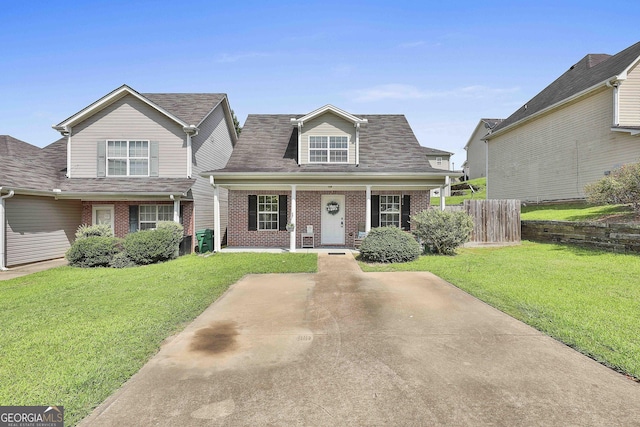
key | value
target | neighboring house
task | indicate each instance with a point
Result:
(439, 159)
(572, 133)
(475, 166)
(128, 160)
(331, 174)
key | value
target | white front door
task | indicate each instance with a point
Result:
(333, 215)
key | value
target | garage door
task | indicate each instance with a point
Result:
(40, 228)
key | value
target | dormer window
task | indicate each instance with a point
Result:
(328, 149)
(128, 158)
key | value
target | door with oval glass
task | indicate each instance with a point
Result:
(333, 215)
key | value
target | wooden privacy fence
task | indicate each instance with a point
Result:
(494, 221)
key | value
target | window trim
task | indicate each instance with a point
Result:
(276, 212)
(140, 221)
(439, 161)
(128, 158)
(381, 212)
(94, 217)
(328, 149)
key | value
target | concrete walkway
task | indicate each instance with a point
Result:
(36, 267)
(343, 347)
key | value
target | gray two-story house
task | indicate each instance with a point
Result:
(127, 160)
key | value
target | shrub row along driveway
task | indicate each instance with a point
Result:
(342, 347)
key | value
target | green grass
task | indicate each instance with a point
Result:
(588, 299)
(573, 212)
(72, 336)
(458, 200)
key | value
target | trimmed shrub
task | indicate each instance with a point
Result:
(621, 186)
(93, 251)
(389, 244)
(121, 260)
(151, 246)
(441, 232)
(99, 230)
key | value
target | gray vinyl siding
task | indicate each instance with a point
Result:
(476, 153)
(553, 157)
(128, 118)
(211, 149)
(40, 228)
(629, 99)
(328, 124)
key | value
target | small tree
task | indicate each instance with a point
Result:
(441, 232)
(236, 123)
(621, 186)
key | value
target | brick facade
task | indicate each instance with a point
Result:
(121, 220)
(309, 212)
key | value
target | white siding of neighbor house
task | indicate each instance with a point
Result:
(476, 153)
(554, 156)
(328, 124)
(433, 161)
(40, 228)
(629, 99)
(211, 149)
(127, 119)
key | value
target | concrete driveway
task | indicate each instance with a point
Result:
(342, 347)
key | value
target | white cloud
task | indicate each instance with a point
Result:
(412, 44)
(225, 57)
(402, 91)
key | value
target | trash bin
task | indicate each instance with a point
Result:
(185, 245)
(205, 240)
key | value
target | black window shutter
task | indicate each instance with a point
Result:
(375, 211)
(282, 212)
(133, 218)
(406, 212)
(253, 213)
(181, 214)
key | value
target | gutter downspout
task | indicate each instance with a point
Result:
(616, 100)
(191, 131)
(299, 141)
(357, 144)
(3, 227)
(217, 246)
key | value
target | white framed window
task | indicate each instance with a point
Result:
(439, 161)
(149, 215)
(268, 212)
(103, 214)
(127, 158)
(328, 149)
(390, 210)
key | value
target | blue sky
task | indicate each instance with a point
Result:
(442, 64)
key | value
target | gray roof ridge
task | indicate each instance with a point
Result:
(580, 76)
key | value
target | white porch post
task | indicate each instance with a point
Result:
(292, 234)
(367, 227)
(176, 209)
(443, 190)
(216, 218)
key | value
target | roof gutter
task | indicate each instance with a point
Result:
(605, 83)
(3, 230)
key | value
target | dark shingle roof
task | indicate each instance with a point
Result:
(132, 186)
(188, 107)
(269, 143)
(589, 71)
(10, 146)
(435, 152)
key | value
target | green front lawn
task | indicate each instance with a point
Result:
(574, 212)
(71, 337)
(588, 299)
